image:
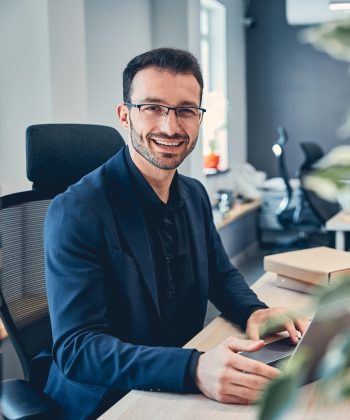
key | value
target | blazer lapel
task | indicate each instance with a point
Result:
(129, 217)
(196, 228)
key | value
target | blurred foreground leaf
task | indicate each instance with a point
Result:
(333, 38)
(340, 292)
(337, 357)
(280, 394)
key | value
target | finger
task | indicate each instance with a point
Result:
(245, 364)
(233, 399)
(248, 394)
(302, 324)
(253, 331)
(293, 333)
(248, 380)
(238, 344)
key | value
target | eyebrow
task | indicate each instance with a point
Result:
(160, 101)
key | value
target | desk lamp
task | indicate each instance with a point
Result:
(278, 151)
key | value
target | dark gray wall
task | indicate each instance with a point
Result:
(290, 84)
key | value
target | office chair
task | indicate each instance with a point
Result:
(57, 156)
(301, 214)
(323, 209)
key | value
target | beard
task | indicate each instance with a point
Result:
(166, 160)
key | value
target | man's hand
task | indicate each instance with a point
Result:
(228, 377)
(280, 317)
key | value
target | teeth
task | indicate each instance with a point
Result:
(167, 144)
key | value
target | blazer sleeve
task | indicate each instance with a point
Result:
(228, 290)
(83, 350)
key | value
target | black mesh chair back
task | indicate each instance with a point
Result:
(57, 155)
(23, 297)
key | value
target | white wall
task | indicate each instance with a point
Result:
(25, 83)
(116, 31)
(66, 21)
(43, 75)
(63, 62)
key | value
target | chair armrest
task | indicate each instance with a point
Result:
(21, 400)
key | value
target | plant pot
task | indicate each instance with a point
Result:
(211, 161)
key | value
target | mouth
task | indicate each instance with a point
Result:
(169, 145)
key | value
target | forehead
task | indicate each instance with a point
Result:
(170, 88)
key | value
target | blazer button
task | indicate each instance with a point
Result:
(168, 260)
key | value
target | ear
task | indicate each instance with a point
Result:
(122, 112)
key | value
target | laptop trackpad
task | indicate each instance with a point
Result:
(273, 352)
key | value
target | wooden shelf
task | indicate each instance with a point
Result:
(239, 210)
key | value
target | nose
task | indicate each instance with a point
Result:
(170, 123)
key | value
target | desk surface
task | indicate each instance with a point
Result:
(139, 405)
(341, 221)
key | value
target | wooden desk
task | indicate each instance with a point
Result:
(139, 405)
(340, 223)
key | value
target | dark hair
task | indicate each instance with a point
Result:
(170, 59)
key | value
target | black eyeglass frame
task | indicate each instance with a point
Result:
(169, 108)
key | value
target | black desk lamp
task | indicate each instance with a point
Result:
(278, 151)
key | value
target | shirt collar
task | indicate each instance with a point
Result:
(152, 204)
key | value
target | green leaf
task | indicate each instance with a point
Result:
(345, 387)
(278, 398)
(276, 323)
(337, 357)
(340, 292)
(280, 394)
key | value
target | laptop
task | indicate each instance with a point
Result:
(329, 320)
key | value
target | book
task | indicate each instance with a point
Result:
(320, 266)
(295, 284)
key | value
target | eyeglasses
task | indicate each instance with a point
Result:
(191, 115)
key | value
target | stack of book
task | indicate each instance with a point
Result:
(304, 269)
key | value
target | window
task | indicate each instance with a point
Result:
(213, 61)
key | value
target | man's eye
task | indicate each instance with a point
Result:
(188, 112)
(153, 108)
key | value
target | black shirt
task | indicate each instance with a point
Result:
(171, 249)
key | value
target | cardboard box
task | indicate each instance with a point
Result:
(322, 265)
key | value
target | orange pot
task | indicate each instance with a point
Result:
(211, 161)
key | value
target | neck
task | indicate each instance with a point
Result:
(159, 179)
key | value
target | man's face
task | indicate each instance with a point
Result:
(162, 142)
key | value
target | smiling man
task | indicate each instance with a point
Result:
(132, 257)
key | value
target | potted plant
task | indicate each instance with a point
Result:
(212, 159)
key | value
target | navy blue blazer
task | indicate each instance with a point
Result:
(102, 291)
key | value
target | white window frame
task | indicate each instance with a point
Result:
(214, 65)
